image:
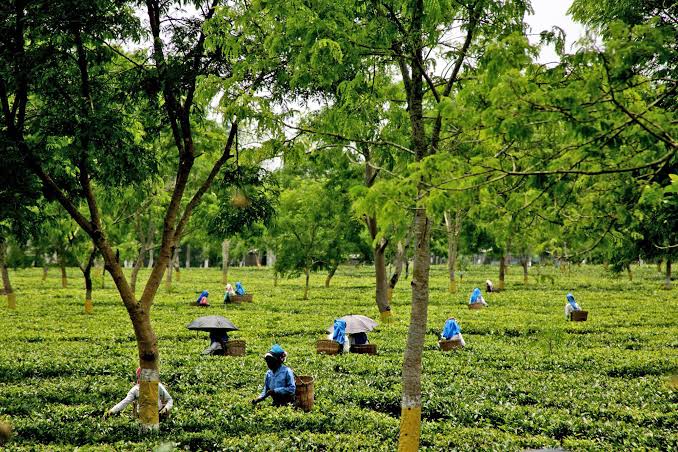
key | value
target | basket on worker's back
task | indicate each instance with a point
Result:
(579, 316)
(476, 306)
(328, 347)
(304, 395)
(369, 349)
(234, 347)
(245, 298)
(447, 345)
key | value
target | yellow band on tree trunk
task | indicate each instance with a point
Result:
(88, 306)
(148, 399)
(11, 300)
(386, 316)
(410, 429)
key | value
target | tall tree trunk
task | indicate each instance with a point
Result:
(45, 268)
(138, 263)
(379, 251)
(64, 276)
(667, 280)
(270, 257)
(175, 263)
(397, 269)
(629, 272)
(659, 266)
(87, 273)
(275, 278)
(168, 276)
(151, 258)
(502, 271)
(206, 255)
(225, 256)
(307, 272)
(453, 231)
(9, 292)
(257, 257)
(524, 263)
(330, 274)
(188, 256)
(410, 417)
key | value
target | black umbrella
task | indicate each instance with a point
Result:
(211, 323)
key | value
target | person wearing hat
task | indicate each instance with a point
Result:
(571, 306)
(477, 297)
(165, 402)
(452, 331)
(279, 382)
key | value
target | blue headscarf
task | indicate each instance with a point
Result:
(339, 332)
(570, 299)
(474, 295)
(450, 329)
(277, 352)
(203, 294)
(239, 289)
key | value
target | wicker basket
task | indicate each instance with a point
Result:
(369, 349)
(476, 306)
(579, 316)
(327, 347)
(447, 345)
(247, 298)
(235, 347)
(304, 395)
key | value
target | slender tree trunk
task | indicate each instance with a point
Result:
(168, 275)
(307, 272)
(64, 276)
(175, 263)
(502, 271)
(397, 269)
(225, 252)
(453, 231)
(138, 263)
(659, 266)
(410, 418)
(629, 272)
(330, 274)
(87, 273)
(524, 263)
(381, 288)
(257, 257)
(45, 269)
(151, 256)
(275, 278)
(9, 292)
(667, 281)
(188, 256)
(270, 258)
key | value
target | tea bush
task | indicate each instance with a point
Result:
(526, 379)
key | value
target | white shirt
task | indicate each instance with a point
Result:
(569, 309)
(164, 399)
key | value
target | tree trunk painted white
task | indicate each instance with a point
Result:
(188, 256)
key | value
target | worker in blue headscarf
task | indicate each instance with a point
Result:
(202, 299)
(338, 334)
(452, 331)
(239, 289)
(571, 306)
(477, 297)
(279, 382)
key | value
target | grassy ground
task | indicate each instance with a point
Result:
(526, 379)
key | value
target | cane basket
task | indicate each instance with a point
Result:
(369, 349)
(304, 394)
(235, 347)
(246, 298)
(447, 345)
(476, 306)
(327, 347)
(579, 316)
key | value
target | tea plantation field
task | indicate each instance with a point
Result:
(527, 378)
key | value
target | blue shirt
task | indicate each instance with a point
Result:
(281, 381)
